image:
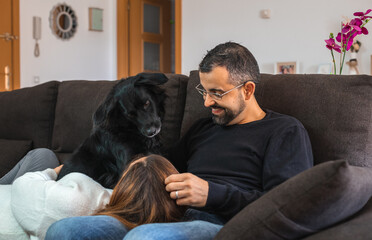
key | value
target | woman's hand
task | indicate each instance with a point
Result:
(58, 169)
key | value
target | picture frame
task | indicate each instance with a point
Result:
(371, 64)
(286, 68)
(325, 68)
(96, 19)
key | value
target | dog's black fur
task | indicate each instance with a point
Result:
(125, 124)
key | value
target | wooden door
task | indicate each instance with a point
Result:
(144, 36)
(9, 45)
(149, 36)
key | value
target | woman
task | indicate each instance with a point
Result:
(139, 197)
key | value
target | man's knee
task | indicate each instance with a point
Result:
(154, 232)
(177, 231)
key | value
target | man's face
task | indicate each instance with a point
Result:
(228, 110)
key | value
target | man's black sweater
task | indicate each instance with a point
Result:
(241, 162)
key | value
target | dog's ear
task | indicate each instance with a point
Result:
(102, 113)
(150, 79)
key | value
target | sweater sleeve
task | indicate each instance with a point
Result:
(288, 153)
(227, 200)
(38, 200)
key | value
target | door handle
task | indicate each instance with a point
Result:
(8, 37)
(7, 78)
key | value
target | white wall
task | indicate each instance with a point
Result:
(87, 55)
(295, 32)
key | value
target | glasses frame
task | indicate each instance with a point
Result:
(217, 96)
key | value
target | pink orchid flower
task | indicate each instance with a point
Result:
(363, 15)
(332, 45)
(353, 24)
(349, 37)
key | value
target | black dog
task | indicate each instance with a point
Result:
(125, 124)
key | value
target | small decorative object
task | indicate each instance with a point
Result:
(286, 68)
(353, 62)
(63, 21)
(96, 19)
(349, 30)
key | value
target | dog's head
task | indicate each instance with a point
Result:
(135, 101)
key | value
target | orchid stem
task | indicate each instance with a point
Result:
(342, 65)
(334, 62)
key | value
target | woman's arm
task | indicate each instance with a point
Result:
(38, 200)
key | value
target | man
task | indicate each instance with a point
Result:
(228, 160)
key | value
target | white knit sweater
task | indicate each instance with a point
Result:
(36, 200)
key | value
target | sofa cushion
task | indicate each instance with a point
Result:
(175, 89)
(307, 203)
(28, 113)
(335, 110)
(357, 228)
(77, 101)
(11, 152)
(194, 106)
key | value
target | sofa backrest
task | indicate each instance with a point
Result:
(335, 110)
(28, 114)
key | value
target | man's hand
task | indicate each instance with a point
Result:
(58, 169)
(192, 190)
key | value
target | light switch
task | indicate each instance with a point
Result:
(36, 79)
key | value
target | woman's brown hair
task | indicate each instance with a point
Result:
(140, 196)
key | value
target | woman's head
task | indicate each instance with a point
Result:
(140, 196)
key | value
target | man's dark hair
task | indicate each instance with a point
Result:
(238, 60)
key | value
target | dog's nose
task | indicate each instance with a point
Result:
(151, 131)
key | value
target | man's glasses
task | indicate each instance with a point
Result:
(216, 96)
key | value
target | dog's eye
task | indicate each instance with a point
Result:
(131, 114)
(147, 104)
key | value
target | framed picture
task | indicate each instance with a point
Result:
(325, 68)
(96, 19)
(286, 68)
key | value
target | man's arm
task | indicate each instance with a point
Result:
(225, 200)
(288, 154)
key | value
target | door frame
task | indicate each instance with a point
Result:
(15, 48)
(123, 37)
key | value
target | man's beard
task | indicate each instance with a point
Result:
(228, 114)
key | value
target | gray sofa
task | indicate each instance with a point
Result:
(329, 201)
